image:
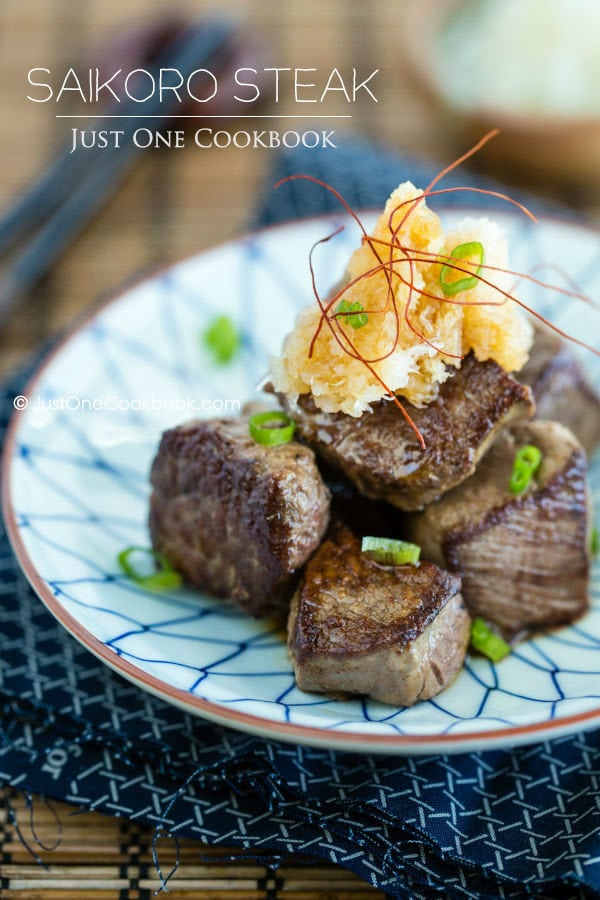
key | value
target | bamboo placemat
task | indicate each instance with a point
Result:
(176, 201)
(98, 857)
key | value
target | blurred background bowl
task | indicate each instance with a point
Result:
(546, 146)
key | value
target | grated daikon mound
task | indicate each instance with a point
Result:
(414, 369)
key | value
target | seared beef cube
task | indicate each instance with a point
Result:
(560, 389)
(524, 560)
(235, 518)
(398, 634)
(380, 453)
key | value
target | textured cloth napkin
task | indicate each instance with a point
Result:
(500, 824)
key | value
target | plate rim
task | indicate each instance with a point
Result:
(409, 744)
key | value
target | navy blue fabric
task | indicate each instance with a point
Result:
(502, 824)
(365, 174)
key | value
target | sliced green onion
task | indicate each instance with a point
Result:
(452, 285)
(527, 462)
(487, 641)
(165, 579)
(594, 542)
(359, 318)
(391, 552)
(222, 339)
(265, 431)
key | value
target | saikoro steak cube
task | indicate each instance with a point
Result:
(524, 558)
(398, 634)
(236, 518)
(380, 453)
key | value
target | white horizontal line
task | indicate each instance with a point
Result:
(240, 116)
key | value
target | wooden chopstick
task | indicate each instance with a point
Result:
(76, 185)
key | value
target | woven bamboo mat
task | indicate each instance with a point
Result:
(175, 202)
(98, 857)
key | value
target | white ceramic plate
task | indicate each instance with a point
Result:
(76, 493)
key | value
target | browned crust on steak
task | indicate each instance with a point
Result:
(235, 518)
(560, 388)
(348, 604)
(396, 634)
(380, 453)
(524, 560)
